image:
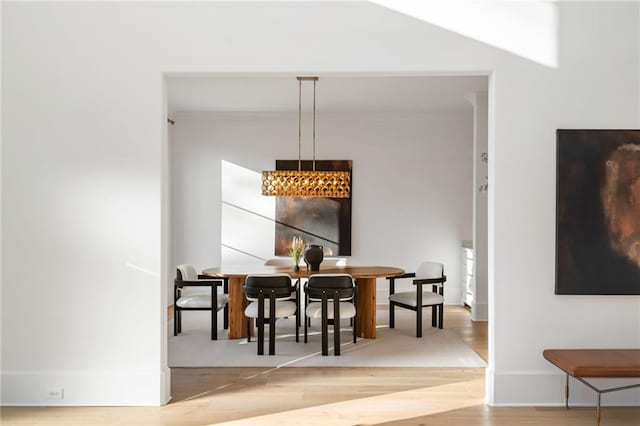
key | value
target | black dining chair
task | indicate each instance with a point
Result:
(282, 262)
(330, 297)
(194, 292)
(270, 298)
(428, 273)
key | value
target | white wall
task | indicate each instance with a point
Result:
(411, 201)
(84, 135)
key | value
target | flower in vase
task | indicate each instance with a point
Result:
(296, 251)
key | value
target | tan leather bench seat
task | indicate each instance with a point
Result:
(596, 362)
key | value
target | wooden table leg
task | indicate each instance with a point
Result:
(237, 303)
(366, 308)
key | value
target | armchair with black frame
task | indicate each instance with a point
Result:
(194, 292)
(270, 299)
(428, 273)
(330, 297)
(295, 295)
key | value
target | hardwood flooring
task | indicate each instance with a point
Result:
(329, 396)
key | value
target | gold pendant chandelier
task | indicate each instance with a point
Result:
(306, 183)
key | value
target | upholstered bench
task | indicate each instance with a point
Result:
(595, 363)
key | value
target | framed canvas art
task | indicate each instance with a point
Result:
(323, 221)
(598, 212)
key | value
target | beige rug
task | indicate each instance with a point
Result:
(393, 348)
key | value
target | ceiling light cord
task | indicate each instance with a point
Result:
(314, 124)
(299, 124)
(307, 183)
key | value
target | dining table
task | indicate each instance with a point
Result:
(365, 278)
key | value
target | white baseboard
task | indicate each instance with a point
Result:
(544, 389)
(165, 387)
(480, 312)
(86, 388)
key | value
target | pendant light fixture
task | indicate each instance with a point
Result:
(306, 183)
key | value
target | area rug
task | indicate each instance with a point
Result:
(396, 347)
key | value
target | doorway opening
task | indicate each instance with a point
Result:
(225, 124)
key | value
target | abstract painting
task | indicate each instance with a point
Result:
(598, 212)
(323, 221)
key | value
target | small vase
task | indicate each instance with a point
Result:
(295, 265)
(313, 256)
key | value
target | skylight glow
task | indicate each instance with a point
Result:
(525, 28)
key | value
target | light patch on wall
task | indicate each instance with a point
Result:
(143, 270)
(247, 225)
(526, 29)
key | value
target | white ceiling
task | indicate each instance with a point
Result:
(333, 94)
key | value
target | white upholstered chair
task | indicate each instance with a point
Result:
(278, 261)
(428, 273)
(334, 261)
(269, 298)
(322, 292)
(286, 262)
(193, 292)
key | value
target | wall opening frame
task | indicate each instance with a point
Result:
(168, 269)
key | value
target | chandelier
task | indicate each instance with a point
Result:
(306, 183)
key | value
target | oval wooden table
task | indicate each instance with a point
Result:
(365, 277)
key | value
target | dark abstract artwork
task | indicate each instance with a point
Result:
(598, 212)
(323, 221)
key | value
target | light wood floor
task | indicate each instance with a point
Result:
(329, 396)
